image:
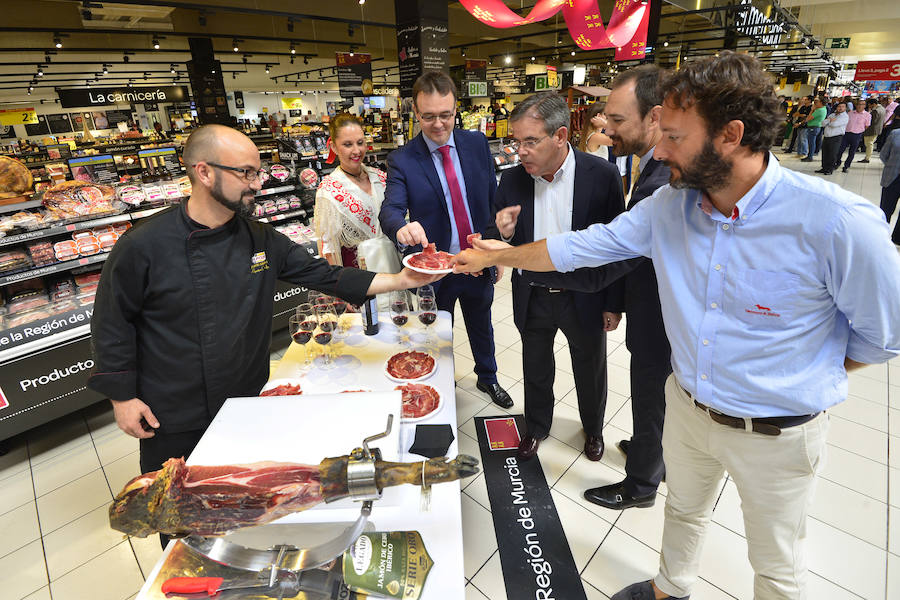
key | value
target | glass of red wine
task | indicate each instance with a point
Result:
(400, 314)
(427, 310)
(301, 326)
(327, 321)
(340, 307)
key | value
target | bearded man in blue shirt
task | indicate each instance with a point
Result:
(773, 285)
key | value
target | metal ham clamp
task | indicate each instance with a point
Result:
(278, 569)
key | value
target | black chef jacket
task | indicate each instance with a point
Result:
(183, 313)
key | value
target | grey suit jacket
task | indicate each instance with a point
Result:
(890, 156)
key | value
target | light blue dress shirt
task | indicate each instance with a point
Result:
(439, 165)
(761, 310)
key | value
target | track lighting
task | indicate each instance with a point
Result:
(234, 43)
(573, 53)
(305, 60)
(57, 41)
(351, 51)
(156, 43)
(507, 59)
(666, 44)
(532, 59)
(267, 68)
(350, 29)
(201, 18)
(463, 51)
(172, 69)
(293, 49)
(40, 72)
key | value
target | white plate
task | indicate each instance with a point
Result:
(274, 383)
(423, 418)
(420, 269)
(399, 380)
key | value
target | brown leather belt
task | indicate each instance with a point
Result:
(763, 425)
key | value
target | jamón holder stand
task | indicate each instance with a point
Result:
(276, 562)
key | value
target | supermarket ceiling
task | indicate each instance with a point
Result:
(290, 45)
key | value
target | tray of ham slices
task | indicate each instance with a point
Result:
(430, 260)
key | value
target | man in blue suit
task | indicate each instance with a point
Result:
(444, 179)
(890, 180)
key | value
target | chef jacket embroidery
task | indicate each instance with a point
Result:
(258, 263)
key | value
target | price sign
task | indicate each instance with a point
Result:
(18, 116)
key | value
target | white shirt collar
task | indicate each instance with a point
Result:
(567, 165)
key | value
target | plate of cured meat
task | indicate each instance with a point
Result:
(420, 402)
(411, 365)
(282, 387)
(430, 260)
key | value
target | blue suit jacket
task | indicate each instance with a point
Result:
(890, 156)
(413, 186)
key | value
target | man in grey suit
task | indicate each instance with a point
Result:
(890, 180)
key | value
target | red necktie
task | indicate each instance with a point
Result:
(459, 208)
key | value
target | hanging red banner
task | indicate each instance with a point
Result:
(626, 30)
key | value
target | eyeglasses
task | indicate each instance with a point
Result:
(527, 143)
(444, 116)
(248, 174)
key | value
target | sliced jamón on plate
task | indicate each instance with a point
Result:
(430, 260)
(419, 401)
(410, 366)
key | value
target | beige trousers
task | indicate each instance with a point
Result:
(869, 141)
(774, 477)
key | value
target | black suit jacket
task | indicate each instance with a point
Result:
(597, 199)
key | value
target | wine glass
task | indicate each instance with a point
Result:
(400, 314)
(427, 309)
(301, 326)
(327, 324)
(340, 307)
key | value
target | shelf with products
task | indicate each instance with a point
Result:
(59, 267)
(63, 229)
(301, 213)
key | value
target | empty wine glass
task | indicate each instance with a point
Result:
(400, 314)
(327, 324)
(301, 326)
(427, 309)
(340, 307)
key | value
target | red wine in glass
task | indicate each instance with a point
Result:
(427, 318)
(399, 320)
(323, 337)
(328, 326)
(340, 307)
(308, 325)
(302, 336)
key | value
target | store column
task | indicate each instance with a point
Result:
(207, 86)
(421, 40)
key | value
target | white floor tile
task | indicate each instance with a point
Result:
(566, 426)
(620, 561)
(584, 530)
(618, 380)
(593, 593)
(645, 524)
(509, 362)
(115, 568)
(469, 404)
(858, 439)
(113, 444)
(490, 579)
(582, 475)
(77, 542)
(505, 335)
(563, 358)
(463, 350)
(148, 552)
(472, 593)
(727, 512)
(556, 457)
(462, 366)
(60, 469)
(73, 500)
(870, 389)
(622, 418)
(851, 512)
(724, 562)
(478, 535)
(41, 594)
(862, 411)
(121, 471)
(612, 456)
(845, 560)
(876, 372)
(23, 572)
(855, 472)
(477, 490)
(564, 387)
(819, 587)
(894, 481)
(15, 491)
(19, 527)
(16, 459)
(893, 576)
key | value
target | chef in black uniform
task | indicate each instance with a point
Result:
(183, 312)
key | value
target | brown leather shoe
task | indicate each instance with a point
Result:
(593, 447)
(528, 447)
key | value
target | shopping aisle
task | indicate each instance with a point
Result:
(57, 481)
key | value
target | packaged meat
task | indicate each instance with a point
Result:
(72, 199)
(84, 279)
(41, 253)
(171, 190)
(63, 288)
(379, 563)
(184, 185)
(280, 173)
(14, 260)
(86, 238)
(131, 194)
(282, 205)
(27, 302)
(309, 178)
(211, 501)
(15, 177)
(121, 228)
(88, 249)
(294, 202)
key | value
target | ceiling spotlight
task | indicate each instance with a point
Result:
(267, 68)
(463, 51)
(125, 58)
(30, 87)
(351, 51)
(156, 43)
(293, 49)
(573, 53)
(234, 43)
(608, 63)
(213, 71)
(666, 44)
(172, 69)
(29, 91)
(40, 72)
(507, 59)
(105, 70)
(305, 60)
(532, 59)
(57, 42)
(362, 1)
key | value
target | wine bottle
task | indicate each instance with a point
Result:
(369, 308)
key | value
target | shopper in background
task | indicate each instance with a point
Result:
(835, 125)
(349, 199)
(444, 180)
(557, 189)
(890, 107)
(593, 139)
(890, 180)
(802, 110)
(874, 129)
(859, 119)
(813, 125)
(773, 284)
(183, 313)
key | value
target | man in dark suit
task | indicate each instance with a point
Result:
(632, 112)
(557, 189)
(445, 179)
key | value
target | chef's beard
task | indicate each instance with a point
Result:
(238, 207)
(707, 171)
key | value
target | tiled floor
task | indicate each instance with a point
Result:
(56, 482)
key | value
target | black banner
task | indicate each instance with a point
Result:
(59, 123)
(239, 100)
(434, 51)
(354, 74)
(70, 98)
(421, 39)
(78, 120)
(209, 92)
(534, 553)
(7, 132)
(39, 128)
(36, 330)
(476, 70)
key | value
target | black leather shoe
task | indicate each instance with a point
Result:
(806, 160)
(593, 447)
(615, 497)
(498, 394)
(623, 446)
(844, 170)
(528, 447)
(863, 161)
(641, 591)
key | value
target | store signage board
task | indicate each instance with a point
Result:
(354, 73)
(476, 70)
(160, 158)
(38, 128)
(477, 89)
(59, 123)
(18, 116)
(541, 83)
(877, 70)
(100, 168)
(37, 330)
(69, 98)
(552, 78)
(839, 42)
(291, 103)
